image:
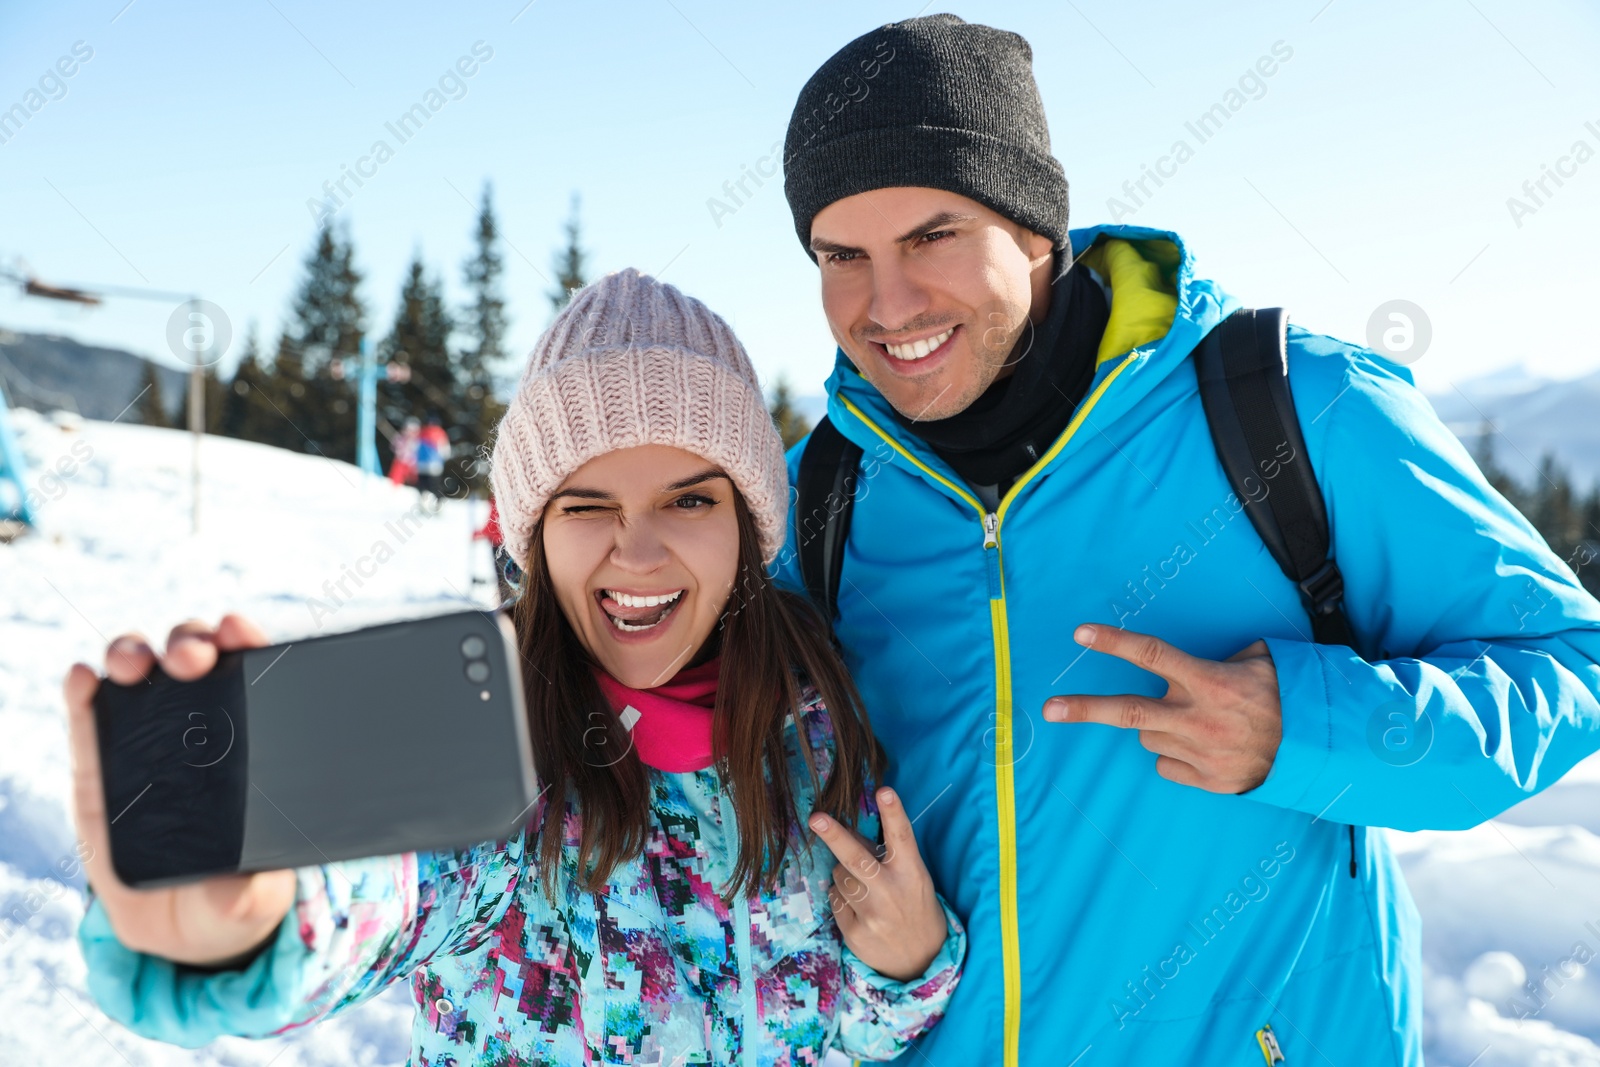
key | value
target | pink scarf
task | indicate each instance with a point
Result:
(670, 724)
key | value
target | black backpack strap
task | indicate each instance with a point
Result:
(824, 499)
(1243, 368)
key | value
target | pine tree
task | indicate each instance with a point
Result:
(420, 338)
(1585, 558)
(1552, 512)
(485, 317)
(327, 321)
(151, 407)
(1498, 479)
(484, 321)
(340, 397)
(791, 424)
(1570, 526)
(245, 411)
(569, 263)
(1591, 514)
(327, 311)
(284, 394)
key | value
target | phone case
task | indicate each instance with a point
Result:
(402, 737)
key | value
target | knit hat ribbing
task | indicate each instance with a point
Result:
(632, 361)
(935, 102)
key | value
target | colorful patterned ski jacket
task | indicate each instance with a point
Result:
(654, 970)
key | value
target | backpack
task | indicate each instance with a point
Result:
(1243, 369)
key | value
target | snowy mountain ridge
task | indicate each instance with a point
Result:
(1528, 416)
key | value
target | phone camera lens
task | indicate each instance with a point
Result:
(473, 646)
(477, 671)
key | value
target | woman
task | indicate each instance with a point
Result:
(663, 904)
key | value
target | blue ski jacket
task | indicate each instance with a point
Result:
(1114, 915)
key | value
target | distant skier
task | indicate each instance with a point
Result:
(433, 446)
(506, 572)
(403, 471)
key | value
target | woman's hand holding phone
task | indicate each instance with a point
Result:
(884, 902)
(218, 922)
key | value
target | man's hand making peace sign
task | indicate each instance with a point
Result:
(1218, 725)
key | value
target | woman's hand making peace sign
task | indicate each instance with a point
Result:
(884, 905)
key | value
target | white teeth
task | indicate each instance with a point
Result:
(918, 349)
(629, 601)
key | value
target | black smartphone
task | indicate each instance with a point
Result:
(402, 737)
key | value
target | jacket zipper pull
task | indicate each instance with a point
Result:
(991, 550)
(1352, 850)
(1268, 1042)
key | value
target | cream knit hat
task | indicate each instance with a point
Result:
(632, 361)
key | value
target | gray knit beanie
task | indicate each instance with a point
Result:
(632, 361)
(934, 102)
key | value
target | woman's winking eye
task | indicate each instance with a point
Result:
(687, 502)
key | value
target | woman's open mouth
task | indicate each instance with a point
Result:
(633, 613)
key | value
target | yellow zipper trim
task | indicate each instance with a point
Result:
(892, 443)
(1005, 793)
(1004, 777)
(1067, 434)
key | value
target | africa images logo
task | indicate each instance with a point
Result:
(1398, 734)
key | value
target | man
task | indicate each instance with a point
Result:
(1136, 777)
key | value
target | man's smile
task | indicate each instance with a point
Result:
(919, 356)
(918, 349)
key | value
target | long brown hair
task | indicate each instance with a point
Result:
(771, 641)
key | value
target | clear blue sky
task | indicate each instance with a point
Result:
(1376, 163)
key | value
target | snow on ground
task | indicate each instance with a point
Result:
(1511, 909)
(114, 552)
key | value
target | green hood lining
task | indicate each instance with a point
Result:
(1143, 275)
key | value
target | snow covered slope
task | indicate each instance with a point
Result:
(1515, 900)
(113, 553)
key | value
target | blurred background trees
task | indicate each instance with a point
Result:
(296, 399)
(1569, 520)
(293, 398)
